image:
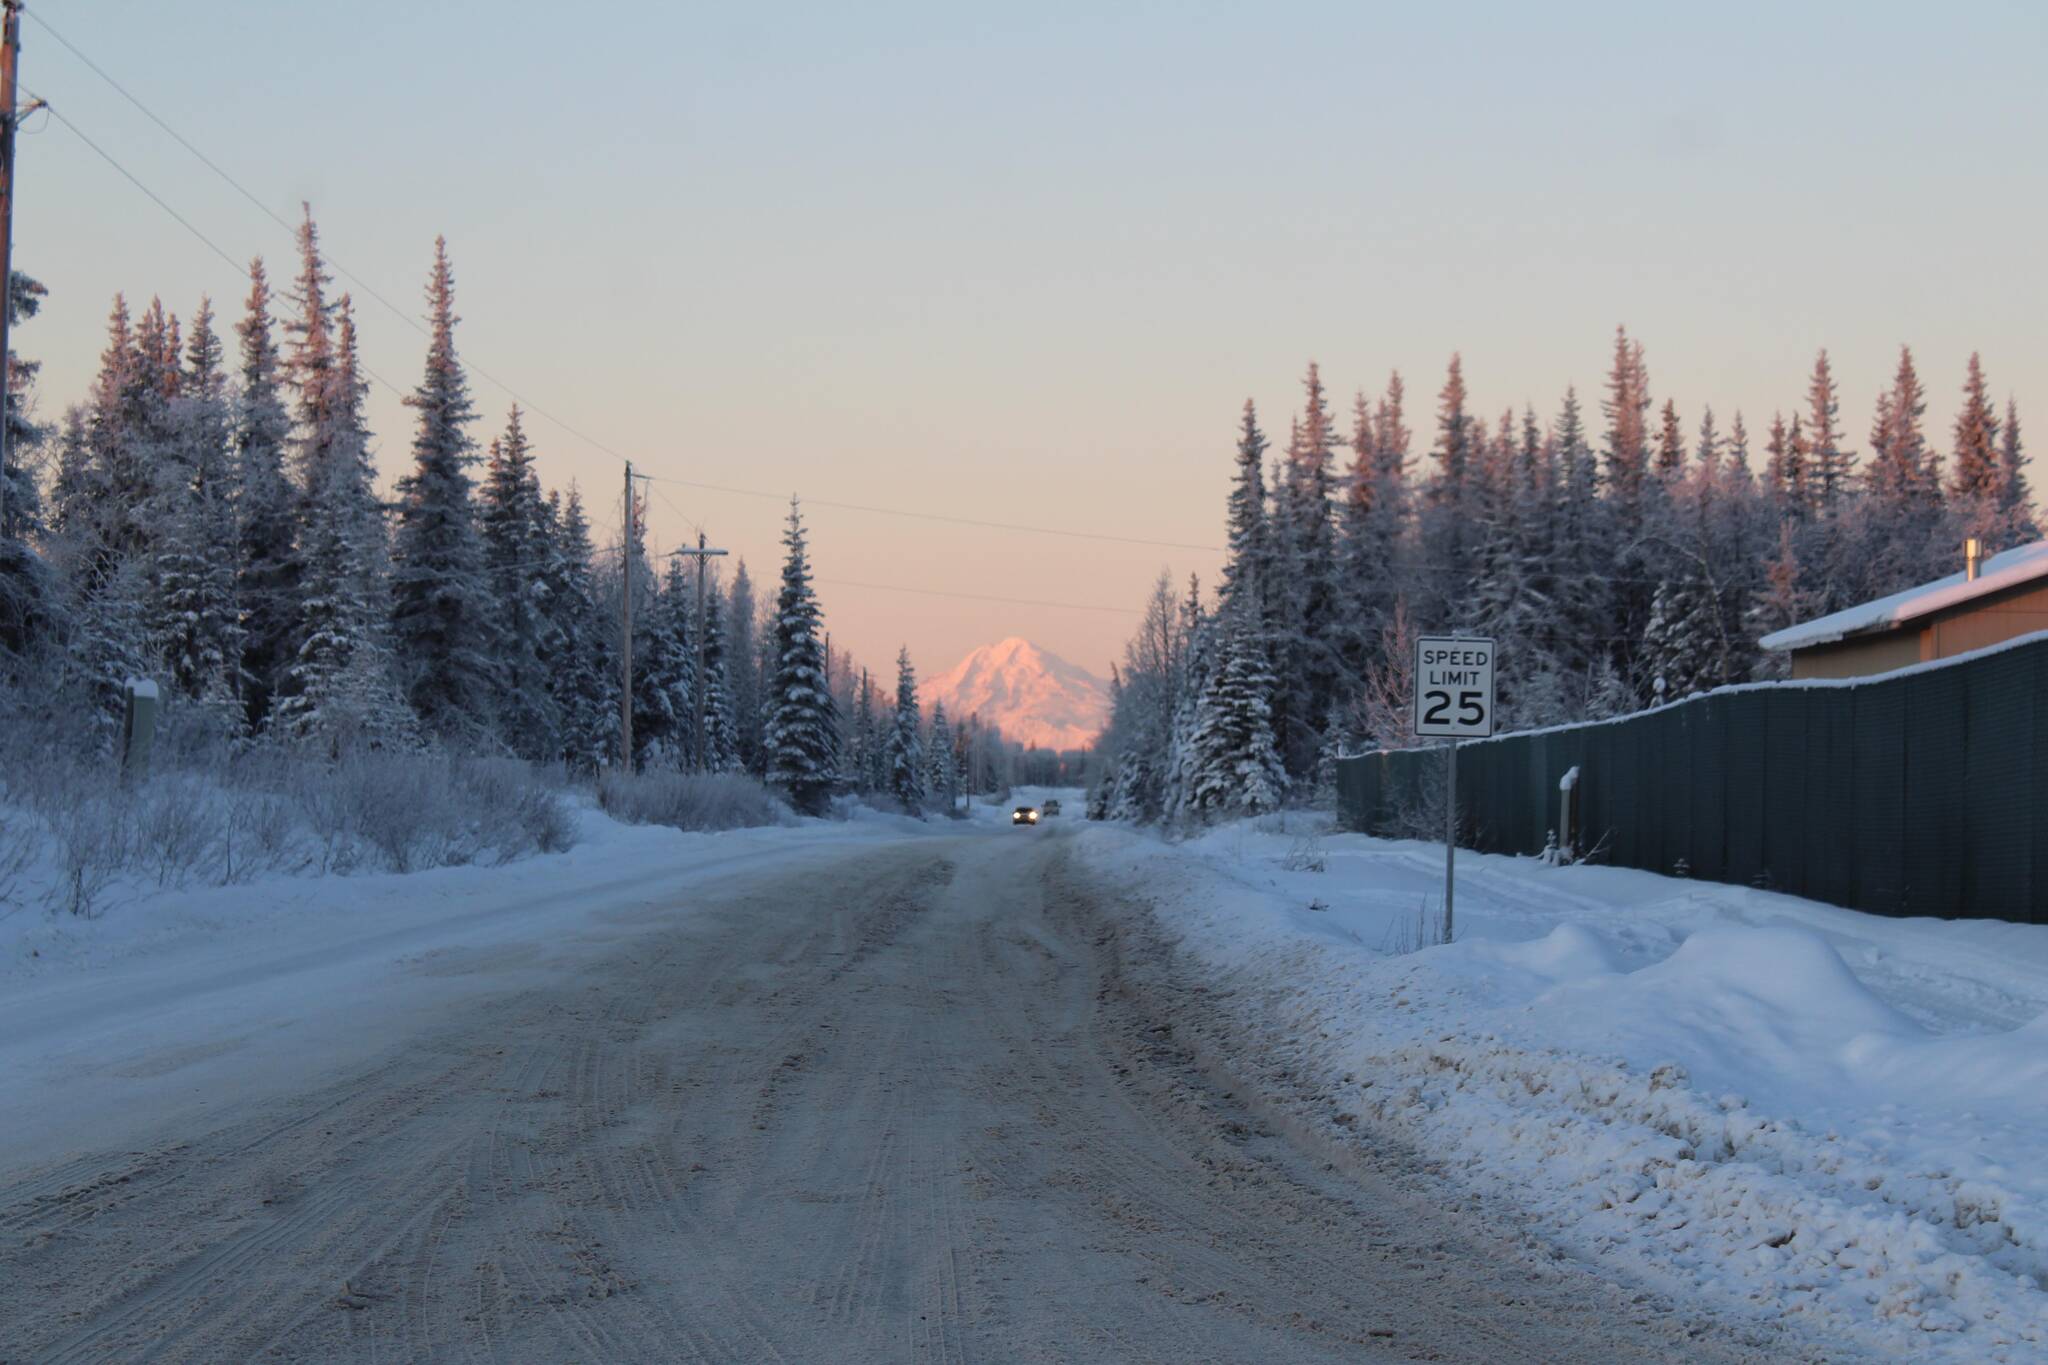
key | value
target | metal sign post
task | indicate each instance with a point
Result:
(1453, 701)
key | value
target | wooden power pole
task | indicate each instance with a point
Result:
(10, 54)
(626, 628)
(697, 692)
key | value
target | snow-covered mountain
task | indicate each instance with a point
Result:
(1031, 696)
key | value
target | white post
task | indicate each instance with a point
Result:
(1450, 830)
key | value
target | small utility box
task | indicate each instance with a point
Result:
(138, 726)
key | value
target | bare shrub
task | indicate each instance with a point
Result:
(260, 833)
(1305, 855)
(405, 808)
(93, 838)
(20, 838)
(518, 808)
(691, 801)
(178, 825)
(1428, 931)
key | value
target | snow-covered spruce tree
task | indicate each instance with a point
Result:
(1239, 769)
(28, 588)
(1182, 756)
(2015, 502)
(743, 670)
(1830, 467)
(103, 496)
(801, 736)
(440, 616)
(902, 750)
(196, 626)
(341, 688)
(267, 572)
(518, 570)
(1143, 690)
(20, 497)
(664, 676)
(863, 742)
(1448, 520)
(1248, 562)
(582, 679)
(1782, 601)
(721, 734)
(1679, 644)
(1977, 477)
(1373, 523)
(1303, 595)
(941, 777)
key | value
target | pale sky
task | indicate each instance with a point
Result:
(1025, 264)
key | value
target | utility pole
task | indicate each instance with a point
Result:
(10, 54)
(697, 692)
(626, 628)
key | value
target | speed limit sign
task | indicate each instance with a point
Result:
(1453, 687)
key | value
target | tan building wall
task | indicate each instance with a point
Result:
(1974, 625)
(1858, 658)
(1991, 621)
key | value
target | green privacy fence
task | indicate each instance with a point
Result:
(1924, 792)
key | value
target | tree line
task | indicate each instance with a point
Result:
(1615, 568)
(208, 517)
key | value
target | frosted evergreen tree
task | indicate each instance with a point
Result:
(28, 587)
(863, 755)
(801, 736)
(721, 731)
(197, 626)
(341, 688)
(1902, 469)
(267, 570)
(1249, 550)
(1829, 467)
(743, 672)
(1183, 757)
(518, 571)
(902, 750)
(1738, 451)
(1782, 601)
(1680, 644)
(20, 498)
(1302, 599)
(665, 677)
(1239, 769)
(1373, 523)
(1670, 443)
(1627, 408)
(441, 622)
(582, 676)
(320, 429)
(941, 776)
(1977, 477)
(2014, 500)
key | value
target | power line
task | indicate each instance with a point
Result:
(54, 112)
(177, 217)
(340, 268)
(413, 322)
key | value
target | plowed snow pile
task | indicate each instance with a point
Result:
(1744, 1095)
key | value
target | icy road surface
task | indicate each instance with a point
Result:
(917, 1100)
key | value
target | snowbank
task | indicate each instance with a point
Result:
(173, 1003)
(1763, 1100)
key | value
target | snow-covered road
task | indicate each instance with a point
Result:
(902, 1098)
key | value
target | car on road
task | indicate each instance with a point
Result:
(1052, 808)
(1024, 815)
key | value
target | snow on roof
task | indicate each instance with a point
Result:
(2006, 569)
